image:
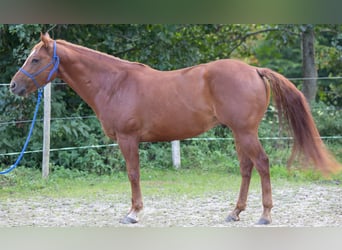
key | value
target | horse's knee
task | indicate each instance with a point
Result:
(133, 176)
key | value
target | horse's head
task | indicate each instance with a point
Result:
(39, 68)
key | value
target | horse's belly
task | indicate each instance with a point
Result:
(178, 129)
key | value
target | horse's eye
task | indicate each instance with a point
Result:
(35, 60)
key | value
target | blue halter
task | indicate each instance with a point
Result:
(54, 62)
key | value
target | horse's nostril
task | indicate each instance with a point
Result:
(13, 85)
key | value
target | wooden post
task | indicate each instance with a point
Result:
(46, 132)
(176, 158)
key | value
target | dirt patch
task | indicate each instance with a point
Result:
(300, 206)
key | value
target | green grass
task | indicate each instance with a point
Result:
(66, 183)
(25, 182)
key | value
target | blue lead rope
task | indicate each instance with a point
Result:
(55, 63)
(11, 168)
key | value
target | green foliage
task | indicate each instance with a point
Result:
(328, 119)
(285, 60)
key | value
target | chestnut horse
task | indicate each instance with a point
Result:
(136, 103)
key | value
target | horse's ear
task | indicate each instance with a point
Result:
(45, 38)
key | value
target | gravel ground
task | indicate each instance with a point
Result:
(294, 206)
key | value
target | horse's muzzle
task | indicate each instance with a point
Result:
(13, 85)
(16, 89)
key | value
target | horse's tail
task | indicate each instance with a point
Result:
(292, 106)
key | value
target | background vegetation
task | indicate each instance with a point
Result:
(165, 47)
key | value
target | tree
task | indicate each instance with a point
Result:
(309, 66)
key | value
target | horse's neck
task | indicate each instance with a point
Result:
(87, 72)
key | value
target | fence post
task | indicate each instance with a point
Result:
(176, 158)
(46, 132)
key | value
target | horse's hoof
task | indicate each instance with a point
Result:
(263, 221)
(128, 220)
(232, 218)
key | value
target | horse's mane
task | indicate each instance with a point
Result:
(104, 56)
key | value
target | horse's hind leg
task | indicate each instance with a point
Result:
(251, 153)
(246, 166)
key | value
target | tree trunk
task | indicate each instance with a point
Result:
(309, 68)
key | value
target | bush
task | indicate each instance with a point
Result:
(328, 119)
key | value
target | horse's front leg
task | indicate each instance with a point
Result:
(130, 149)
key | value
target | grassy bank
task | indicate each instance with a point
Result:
(26, 182)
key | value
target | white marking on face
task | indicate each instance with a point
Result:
(31, 54)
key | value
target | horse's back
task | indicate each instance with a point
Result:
(175, 104)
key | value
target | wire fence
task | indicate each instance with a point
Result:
(190, 139)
